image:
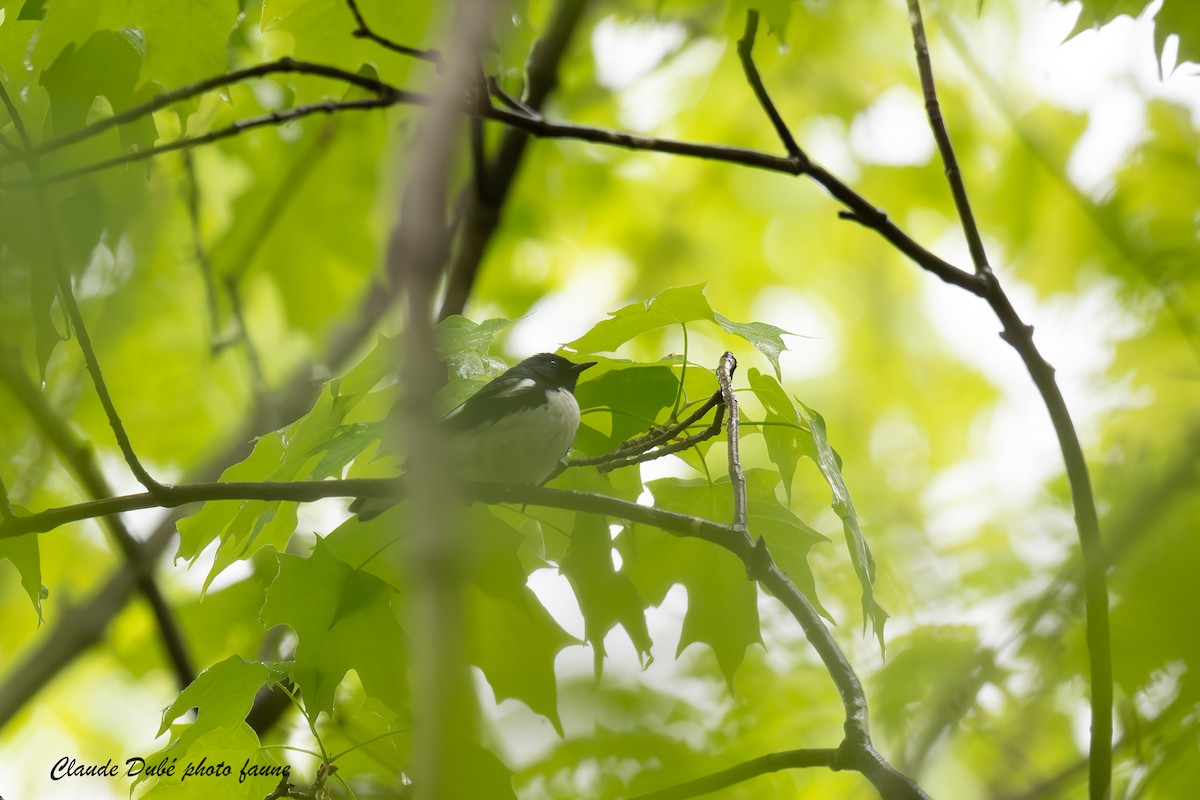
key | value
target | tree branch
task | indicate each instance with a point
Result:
(234, 129)
(67, 298)
(1020, 336)
(938, 125)
(857, 207)
(654, 444)
(763, 765)
(282, 65)
(745, 48)
(81, 461)
(364, 31)
(736, 479)
(482, 213)
(856, 751)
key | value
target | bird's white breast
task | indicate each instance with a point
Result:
(523, 447)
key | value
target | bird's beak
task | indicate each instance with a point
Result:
(578, 368)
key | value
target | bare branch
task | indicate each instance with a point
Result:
(67, 298)
(241, 126)
(938, 125)
(1020, 336)
(745, 49)
(82, 462)
(497, 91)
(283, 65)
(364, 31)
(763, 765)
(736, 478)
(482, 213)
(657, 443)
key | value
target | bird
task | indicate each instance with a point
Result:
(515, 430)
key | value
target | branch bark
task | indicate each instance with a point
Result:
(80, 460)
(1019, 336)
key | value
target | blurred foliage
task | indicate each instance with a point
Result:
(611, 658)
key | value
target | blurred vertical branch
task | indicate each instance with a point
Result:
(481, 214)
(443, 699)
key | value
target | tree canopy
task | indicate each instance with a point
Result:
(885, 483)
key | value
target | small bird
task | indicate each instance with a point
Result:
(514, 430)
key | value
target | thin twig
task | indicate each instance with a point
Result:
(763, 765)
(282, 65)
(745, 48)
(641, 448)
(736, 478)
(480, 219)
(67, 298)
(256, 368)
(81, 460)
(241, 126)
(679, 446)
(497, 91)
(192, 190)
(364, 31)
(938, 125)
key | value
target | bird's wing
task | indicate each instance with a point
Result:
(505, 395)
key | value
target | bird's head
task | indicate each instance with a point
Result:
(553, 370)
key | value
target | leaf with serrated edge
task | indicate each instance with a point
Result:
(606, 597)
(334, 609)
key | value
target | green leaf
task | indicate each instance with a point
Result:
(25, 554)
(515, 644)
(788, 538)
(782, 429)
(33, 9)
(501, 610)
(620, 401)
(222, 694)
(722, 601)
(1181, 17)
(107, 65)
(334, 609)
(458, 337)
(316, 446)
(478, 773)
(674, 306)
(830, 464)
(254, 771)
(767, 339)
(606, 597)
